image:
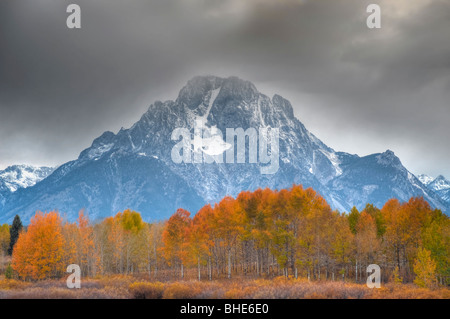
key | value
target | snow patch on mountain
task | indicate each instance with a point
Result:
(99, 151)
(334, 159)
(425, 179)
(23, 176)
(440, 183)
(212, 98)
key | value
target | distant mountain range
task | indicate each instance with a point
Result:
(134, 169)
(439, 185)
(20, 176)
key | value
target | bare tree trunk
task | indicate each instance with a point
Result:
(149, 268)
(182, 271)
(156, 260)
(209, 268)
(198, 265)
(229, 263)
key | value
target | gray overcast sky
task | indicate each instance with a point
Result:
(361, 91)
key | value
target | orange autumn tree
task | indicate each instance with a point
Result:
(282, 231)
(175, 238)
(367, 243)
(80, 246)
(39, 252)
(87, 254)
(255, 236)
(228, 223)
(155, 244)
(122, 243)
(200, 239)
(405, 226)
(291, 232)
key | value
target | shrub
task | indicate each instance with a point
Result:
(234, 293)
(147, 290)
(179, 290)
(11, 284)
(395, 278)
(9, 272)
(117, 281)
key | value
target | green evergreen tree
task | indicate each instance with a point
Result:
(353, 218)
(9, 272)
(14, 232)
(379, 221)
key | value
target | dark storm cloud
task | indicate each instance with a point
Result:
(359, 90)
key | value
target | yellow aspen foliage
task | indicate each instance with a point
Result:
(396, 276)
(425, 268)
(4, 238)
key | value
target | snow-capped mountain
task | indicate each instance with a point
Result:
(23, 176)
(440, 185)
(20, 176)
(135, 168)
(425, 179)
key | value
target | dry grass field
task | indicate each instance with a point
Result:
(124, 287)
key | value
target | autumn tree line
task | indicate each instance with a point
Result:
(291, 232)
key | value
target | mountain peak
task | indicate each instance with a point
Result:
(425, 179)
(194, 92)
(99, 145)
(440, 183)
(15, 177)
(388, 158)
(106, 137)
(284, 104)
